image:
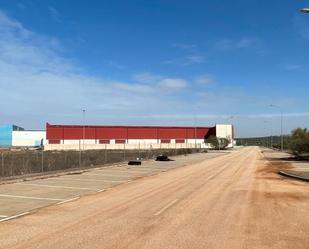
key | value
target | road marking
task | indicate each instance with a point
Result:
(85, 180)
(65, 201)
(30, 197)
(166, 207)
(105, 175)
(3, 216)
(56, 186)
(14, 216)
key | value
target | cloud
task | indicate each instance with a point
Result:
(41, 84)
(230, 44)
(291, 67)
(174, 84)
(146, 78)
(158, 82)
(135, 88)
(185, 46)
(203, 79)
(187, 60)
(54, 14)
(194, 59)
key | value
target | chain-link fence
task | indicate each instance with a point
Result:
(25, 162)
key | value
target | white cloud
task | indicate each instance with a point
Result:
(175, 84)
(38, 84)
(146, 78)
(188, 60)
(229, 44)
(291, 67)
(158, 82)
(54, 14)
(203, 79)
(185, 46)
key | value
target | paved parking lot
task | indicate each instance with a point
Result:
(20, 198)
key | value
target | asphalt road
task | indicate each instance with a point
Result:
(233, 201)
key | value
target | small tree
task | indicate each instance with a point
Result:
(223, 142)
(213, 141)
(299, 141)
(217, 143)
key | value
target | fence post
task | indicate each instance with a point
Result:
(42, 161)
(80, 155)
(105, 155)
(2, 164)
(124, 151)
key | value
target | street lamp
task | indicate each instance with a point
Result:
(84, 112)
(270, 132)
(305, 10)
(281, 121)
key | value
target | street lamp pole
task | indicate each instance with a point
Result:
(195, 131)
(84, 112)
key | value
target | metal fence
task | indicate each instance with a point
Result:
(25, 162)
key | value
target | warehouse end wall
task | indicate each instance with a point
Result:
(28, 138)
(225, 131)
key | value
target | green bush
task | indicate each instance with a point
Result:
(217, 143)
(299, 141)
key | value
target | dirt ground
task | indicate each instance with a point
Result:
(233, 201)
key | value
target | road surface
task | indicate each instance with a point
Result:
(233, 201)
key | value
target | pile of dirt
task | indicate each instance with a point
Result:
(274, 167)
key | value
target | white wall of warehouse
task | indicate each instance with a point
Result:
(28, 138)
(225, 131)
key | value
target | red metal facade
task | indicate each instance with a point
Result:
(75, 132)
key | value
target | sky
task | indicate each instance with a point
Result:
(155, 62)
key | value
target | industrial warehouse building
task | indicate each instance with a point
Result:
(86, 137)
(82, 137)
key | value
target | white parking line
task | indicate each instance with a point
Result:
(65, 201)
(106, 175)
(131, 171)
(14, 216)
(85, 180)
(31, 197)
(166, 207)
(56, 186)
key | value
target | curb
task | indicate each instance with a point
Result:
(293, 176)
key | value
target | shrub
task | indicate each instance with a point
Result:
(299, 141)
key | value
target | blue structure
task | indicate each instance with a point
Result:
(6, 132)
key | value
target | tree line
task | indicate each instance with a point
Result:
(297, 142)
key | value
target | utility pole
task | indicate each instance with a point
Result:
(84, 112)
